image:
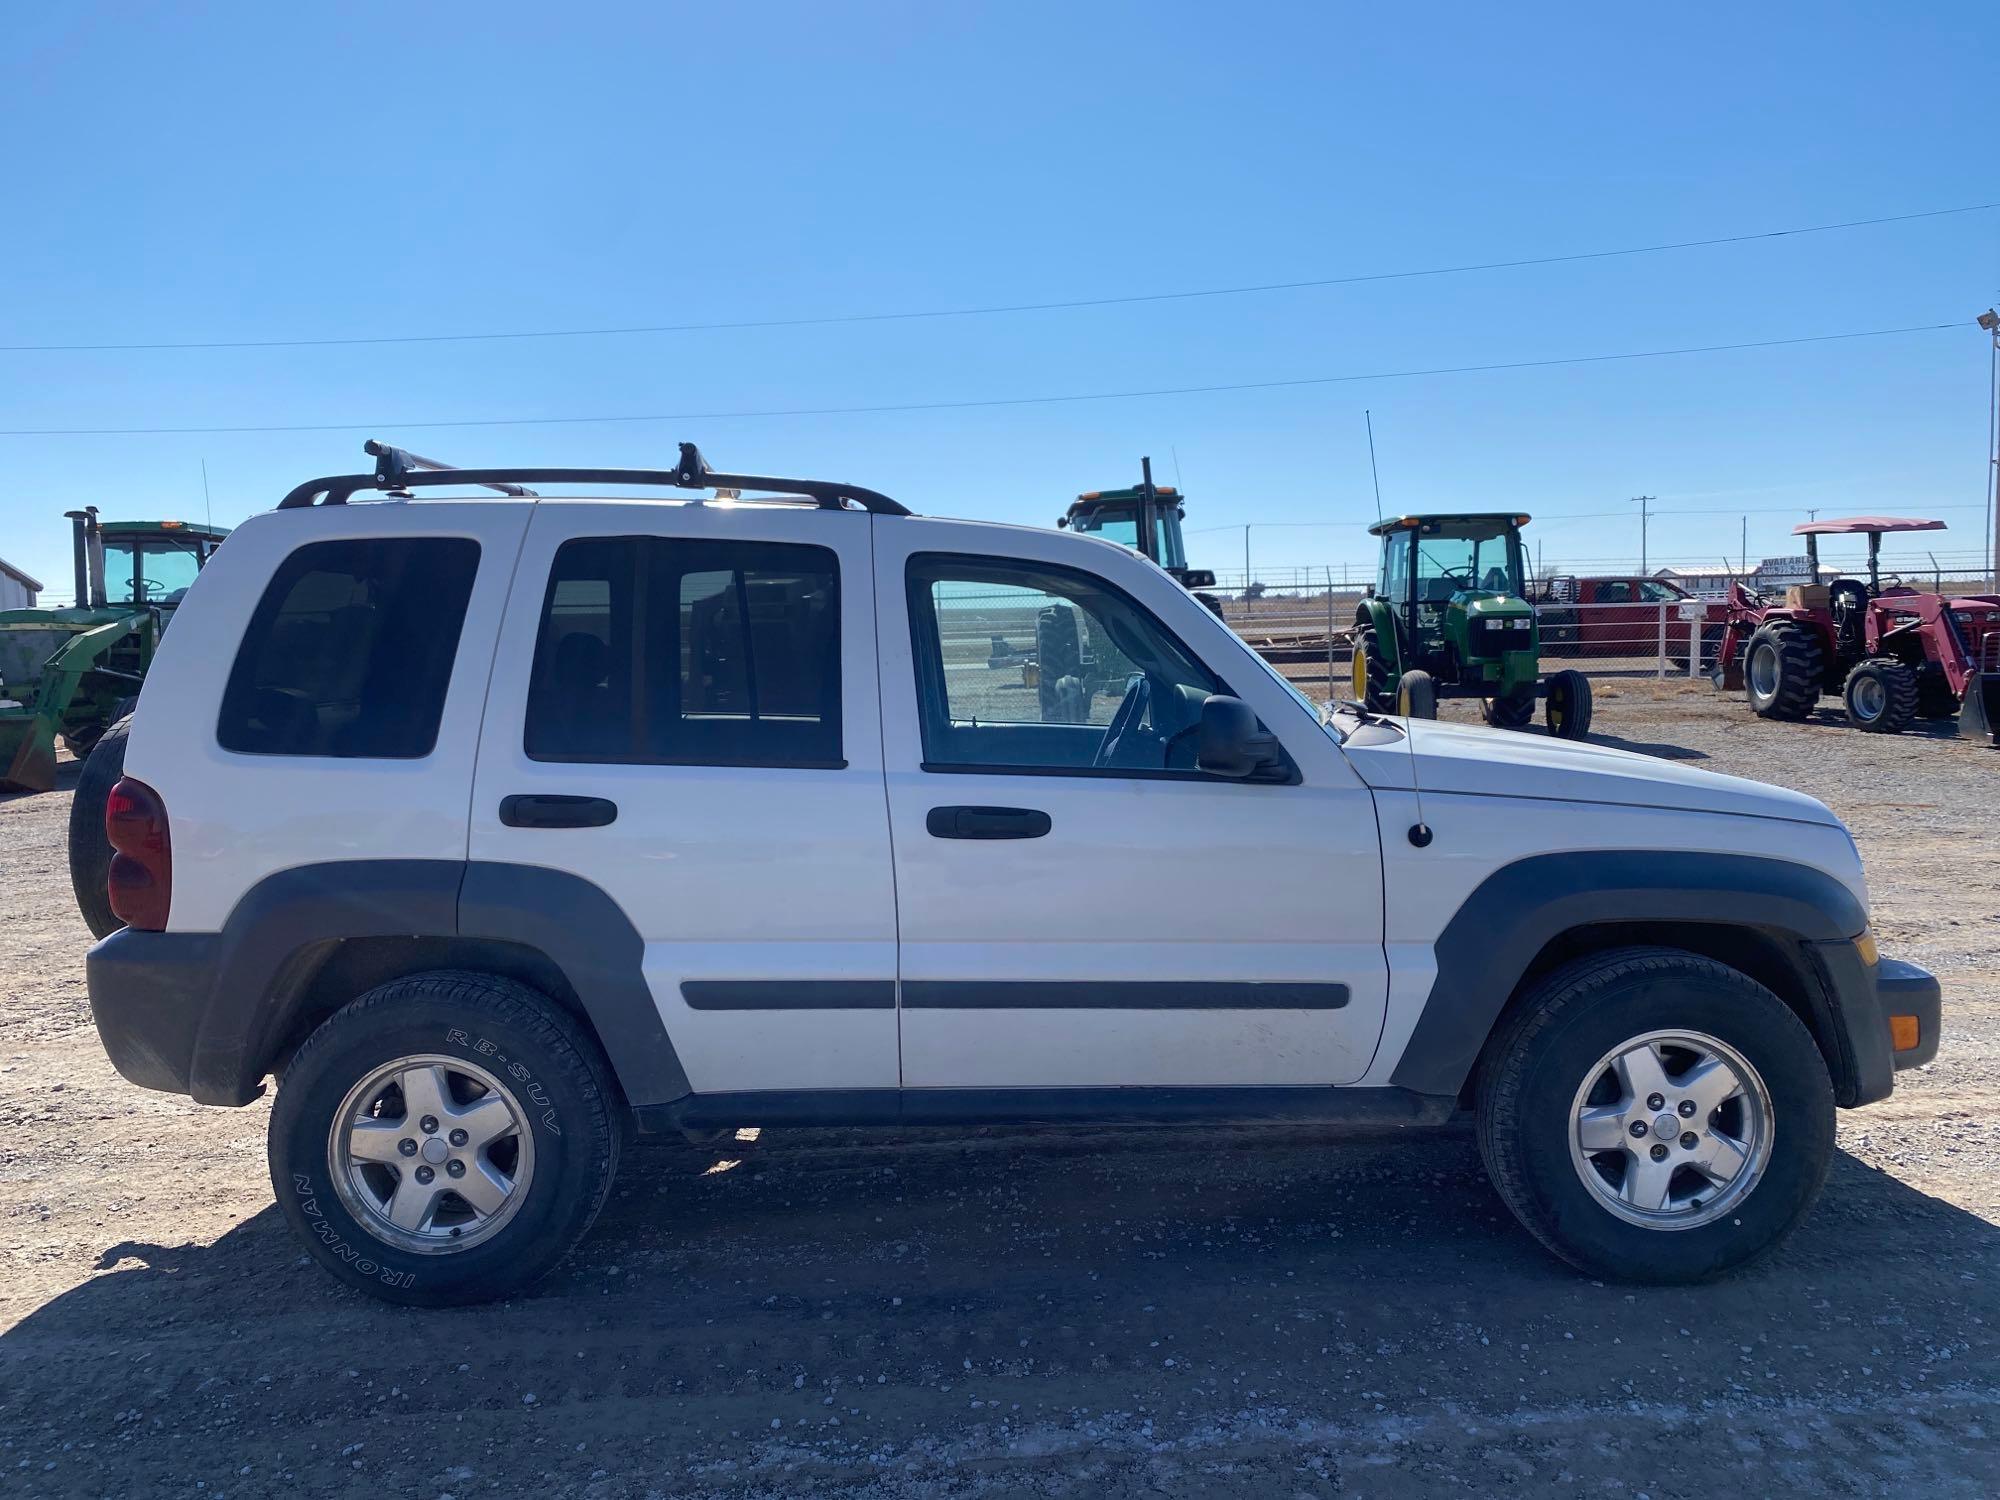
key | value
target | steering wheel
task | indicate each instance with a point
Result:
(1138, 693)
(150, 588)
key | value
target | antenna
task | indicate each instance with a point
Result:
(207, 509)
(1369, 418)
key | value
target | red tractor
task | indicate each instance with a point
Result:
(1893, 654)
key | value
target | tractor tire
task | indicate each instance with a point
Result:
(1568, 710)
(1935, 699)
(1417, 695)
(89, 844)
(1881, 696)
(1515, 712)
(1371, 670)
(1783, 671)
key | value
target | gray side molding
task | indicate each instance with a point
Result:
(588, 936)
(1491, 940)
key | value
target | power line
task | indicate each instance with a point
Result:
(996, 309)
(1005, 401)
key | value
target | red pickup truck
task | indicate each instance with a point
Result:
(1620, 616)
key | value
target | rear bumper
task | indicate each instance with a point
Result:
(1906, 991)
(150, 994)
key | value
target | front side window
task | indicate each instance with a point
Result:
(349, 652)
(1025, 666)
(659, 651)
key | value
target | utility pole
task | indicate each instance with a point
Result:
(1990, 321)
(1642, 501)
(1246, 560)
(1744, 565)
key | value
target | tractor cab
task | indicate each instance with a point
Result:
(152, 563)
(73, 672)
(1448, 617)
(1147, 518)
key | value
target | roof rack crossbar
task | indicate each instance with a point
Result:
(393, 465)
(405, 471)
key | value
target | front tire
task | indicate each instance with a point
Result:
(444, 1139)
(1514, 712)
(1881, 696)
(1654, 1116)
(1417, 695)
(1568, 708)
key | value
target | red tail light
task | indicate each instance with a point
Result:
(142, 868)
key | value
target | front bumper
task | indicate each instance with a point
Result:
(1881, 1017)
(1913, 1006)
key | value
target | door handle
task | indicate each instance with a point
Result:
(986, 823)
(547, 810)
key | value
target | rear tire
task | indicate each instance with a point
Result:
(542, 1177)
(1784, 671)
(1881, 696)
(89, 845)
(1371, 670)
(1515, 712)
(1549, 1087)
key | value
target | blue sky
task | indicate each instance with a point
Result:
(258, 172)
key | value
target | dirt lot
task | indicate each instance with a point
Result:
(1252, 1313)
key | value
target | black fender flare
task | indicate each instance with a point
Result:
(1494, 938)
(285, 926)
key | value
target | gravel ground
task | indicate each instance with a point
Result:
(1226, 1313)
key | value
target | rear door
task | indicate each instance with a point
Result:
(683, 713)
(1079, 906)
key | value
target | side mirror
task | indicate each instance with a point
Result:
(1198, 578)
(1231, 743)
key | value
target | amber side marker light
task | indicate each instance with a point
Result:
(1903, 1033)
(1865, 945)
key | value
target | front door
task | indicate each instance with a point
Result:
(683, 713)
(1079, 906)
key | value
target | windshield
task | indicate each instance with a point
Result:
(1476, 558)
(148, 570)
(1122, 527)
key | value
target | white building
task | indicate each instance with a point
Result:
(17, 589)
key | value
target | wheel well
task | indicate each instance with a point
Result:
(322, 977)
(1778, 961)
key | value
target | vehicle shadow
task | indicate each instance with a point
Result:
(67, 772)
(815, 1275)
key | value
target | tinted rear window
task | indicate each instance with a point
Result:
(680, 652)
(350, 650)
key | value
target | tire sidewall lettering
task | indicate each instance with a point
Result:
(489, 1052)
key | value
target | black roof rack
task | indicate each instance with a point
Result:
(398, 471)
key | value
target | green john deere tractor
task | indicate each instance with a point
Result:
(75, 671)
(1448, 617)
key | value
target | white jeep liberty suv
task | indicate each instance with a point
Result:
(495, 828)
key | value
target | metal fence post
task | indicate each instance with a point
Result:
(1662, 665)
